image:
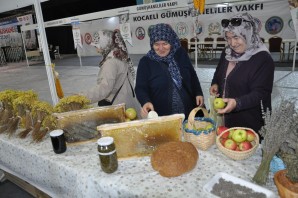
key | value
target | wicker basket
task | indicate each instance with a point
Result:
(238, 155)
(202, 139)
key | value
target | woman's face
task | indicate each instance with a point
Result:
(102, 42)
(236, 43)
(162, 48)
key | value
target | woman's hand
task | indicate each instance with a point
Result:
(213, 90)
(146, 108)
(231, 105)
(200, 100)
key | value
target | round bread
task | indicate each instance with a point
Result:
(174, 158)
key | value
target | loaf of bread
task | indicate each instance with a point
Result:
(173, 159)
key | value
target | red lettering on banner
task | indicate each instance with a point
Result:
(7, 30)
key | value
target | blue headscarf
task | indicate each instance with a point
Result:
(164, 32)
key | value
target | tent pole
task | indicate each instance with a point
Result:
(79, 54)
(294, 56)
(46, 54)
(24, 48)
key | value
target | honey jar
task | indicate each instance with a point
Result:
(107, 154)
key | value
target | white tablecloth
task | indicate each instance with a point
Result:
(77, 172)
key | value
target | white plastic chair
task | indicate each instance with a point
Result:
(57, 52)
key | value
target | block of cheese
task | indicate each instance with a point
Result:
(80, 126)
(141, 137)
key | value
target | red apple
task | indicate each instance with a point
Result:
(230, 144)
(244, 146)
(250, 136)
(239, 135)
(221, 129)
(222, 141)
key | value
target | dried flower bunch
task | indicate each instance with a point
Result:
(8, 120)
(40, 111)
(24, 102)
(34, 115)
(280, 127)
(72, 103)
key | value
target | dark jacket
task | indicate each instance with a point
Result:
(154, 84)
(250, 83)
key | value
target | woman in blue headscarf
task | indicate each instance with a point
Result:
(166, 80)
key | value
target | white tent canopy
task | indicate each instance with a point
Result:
(7, 5)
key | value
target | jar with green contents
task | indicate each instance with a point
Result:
(107, 154)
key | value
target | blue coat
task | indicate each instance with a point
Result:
(250, 82)
(154, 84)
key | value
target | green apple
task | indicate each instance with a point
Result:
(131, 113)
(209, 126)
(199, 128)
(231, 133)
(239, 135)
(218, 103)
(186, 125)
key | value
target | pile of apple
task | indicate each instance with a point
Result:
(203, 126)
(236, 139)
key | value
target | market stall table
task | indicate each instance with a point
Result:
(77, 172)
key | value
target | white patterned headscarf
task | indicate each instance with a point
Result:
(112, 41)
(248, 32)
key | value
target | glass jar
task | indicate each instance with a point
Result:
(107, 154)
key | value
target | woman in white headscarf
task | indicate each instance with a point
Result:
(116, 76)
(244, 74)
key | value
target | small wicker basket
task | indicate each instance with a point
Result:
(238, 155)
(202, 139)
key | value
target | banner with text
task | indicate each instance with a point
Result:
(274, 19)
(11, 36)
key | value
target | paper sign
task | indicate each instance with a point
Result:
(125, 32)
(76, 37)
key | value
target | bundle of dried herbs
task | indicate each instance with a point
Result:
(28, 124)
(72, 103)
(278, 124)
(23, 103)
(40, 111)
(6, 99)
(289, 153)
(17, 106)
(8, 120)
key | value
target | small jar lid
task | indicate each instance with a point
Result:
(56, 132)
(105, 141)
